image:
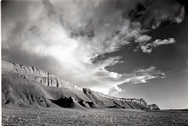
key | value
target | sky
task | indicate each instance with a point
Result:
(123, 48)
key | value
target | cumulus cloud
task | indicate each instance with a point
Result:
(115, 90)
(147, 48)
(159, 42)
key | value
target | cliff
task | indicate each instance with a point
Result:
(26, 86)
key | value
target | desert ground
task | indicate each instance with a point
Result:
(91, 117)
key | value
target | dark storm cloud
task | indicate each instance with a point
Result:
(152, 12)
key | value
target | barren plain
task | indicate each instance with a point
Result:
(92, 117)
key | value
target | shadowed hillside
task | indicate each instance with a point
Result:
(24, 86)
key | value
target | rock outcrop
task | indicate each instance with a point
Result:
(27, 86)
(153, 107)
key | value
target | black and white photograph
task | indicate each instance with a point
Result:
(94, 63)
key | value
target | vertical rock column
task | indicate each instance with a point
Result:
(48, 80)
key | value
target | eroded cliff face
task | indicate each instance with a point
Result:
(36, 74)
(51, 89)
(106, 100)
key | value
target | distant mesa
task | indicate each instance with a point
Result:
(25, 86)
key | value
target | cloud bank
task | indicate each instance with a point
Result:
(69, 35)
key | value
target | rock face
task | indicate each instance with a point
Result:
(36, 74)
(26, 86)
(153, 107)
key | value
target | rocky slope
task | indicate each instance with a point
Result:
(26, 86)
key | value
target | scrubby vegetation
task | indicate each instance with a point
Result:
(91, 117)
